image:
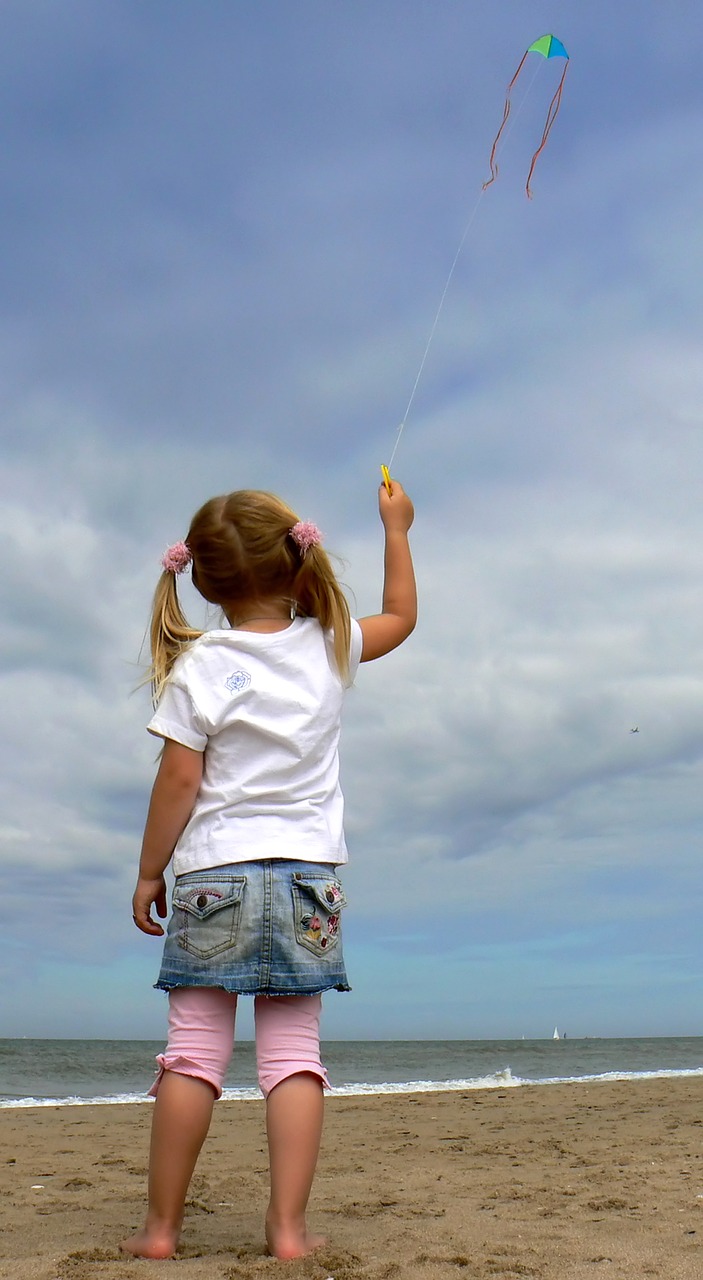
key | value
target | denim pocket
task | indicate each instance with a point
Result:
(208, 914)
(317, 905)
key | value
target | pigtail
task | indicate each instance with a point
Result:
(319, 595)
(169, 632)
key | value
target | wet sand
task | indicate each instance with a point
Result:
(561, 1182)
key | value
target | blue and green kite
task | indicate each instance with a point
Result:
(549, 47)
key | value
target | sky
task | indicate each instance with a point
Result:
(226, 227)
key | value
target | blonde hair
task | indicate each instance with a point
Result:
(242, 550)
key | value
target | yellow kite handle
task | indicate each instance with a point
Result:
(386, 478)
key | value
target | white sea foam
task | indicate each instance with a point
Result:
(112, 1100)
(499, 1080)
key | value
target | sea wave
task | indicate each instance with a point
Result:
(498, 1080)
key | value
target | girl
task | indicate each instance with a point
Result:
(247, 802)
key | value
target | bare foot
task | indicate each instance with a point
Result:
(152, 1242)
(290, 1241)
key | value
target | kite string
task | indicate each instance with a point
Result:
(435, 322)
(452, 269)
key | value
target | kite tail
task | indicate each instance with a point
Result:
(551, 117)
(506, 113)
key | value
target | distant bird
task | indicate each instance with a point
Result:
(635, 730)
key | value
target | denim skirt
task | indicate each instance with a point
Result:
(258, 928)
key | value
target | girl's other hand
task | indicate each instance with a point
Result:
(397, 511)
(149, 893)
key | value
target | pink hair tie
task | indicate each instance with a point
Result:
(306, 535)
(176, 559)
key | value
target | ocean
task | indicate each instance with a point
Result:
(39, 1073)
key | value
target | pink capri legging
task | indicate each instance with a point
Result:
(201, 1037)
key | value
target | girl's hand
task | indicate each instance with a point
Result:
(149, 893)
(397, 511)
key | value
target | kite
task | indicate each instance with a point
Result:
(549, 47)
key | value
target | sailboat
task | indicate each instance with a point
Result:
(556, 1035)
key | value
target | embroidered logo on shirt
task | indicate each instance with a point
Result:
(237, 681)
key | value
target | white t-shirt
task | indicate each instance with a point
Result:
(265, 710)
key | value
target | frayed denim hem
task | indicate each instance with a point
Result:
(165, 984)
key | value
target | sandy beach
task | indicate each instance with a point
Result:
(553, 1181)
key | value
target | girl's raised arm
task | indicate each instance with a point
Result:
(386, 630)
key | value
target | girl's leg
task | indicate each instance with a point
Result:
(182, 1114)
(292, 1077)
(200, 1041)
